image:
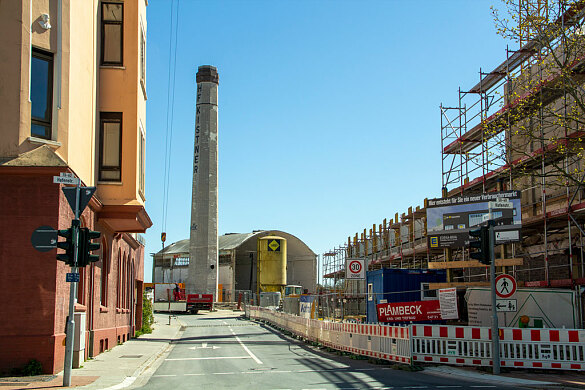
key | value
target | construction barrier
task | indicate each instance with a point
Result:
(562, 349)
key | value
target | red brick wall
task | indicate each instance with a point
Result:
(35, 296)
(28, 277)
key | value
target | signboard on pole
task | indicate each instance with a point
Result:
(449, 220)
(505, 286)
(506, 305)
(355, 269)
(409, 311)
(44, 238)
(65, 180)
(448, 303)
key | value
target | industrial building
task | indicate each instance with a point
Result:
(520, 128)
(73, 101)
(238, 261)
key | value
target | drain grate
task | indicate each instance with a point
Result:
(130, 356)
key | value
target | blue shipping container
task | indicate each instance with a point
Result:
(399, 285)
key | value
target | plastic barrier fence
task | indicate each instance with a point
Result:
(562, 349)
(378, 341)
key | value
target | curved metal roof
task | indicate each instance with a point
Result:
(226, 242)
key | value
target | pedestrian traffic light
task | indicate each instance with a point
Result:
(67, 246)
(482, 243)
(86, 246)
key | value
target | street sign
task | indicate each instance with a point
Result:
(506, 305)
(65, 180)
(505, 286)
(72, 277)
(500, 205)
(66, 174)
(44, 238)
(355, 269)
(85, 194)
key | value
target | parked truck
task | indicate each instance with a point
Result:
(171, 297)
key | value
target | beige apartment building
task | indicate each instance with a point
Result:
(72, 100)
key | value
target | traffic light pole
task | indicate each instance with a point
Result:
(495, 327)
(72, 293)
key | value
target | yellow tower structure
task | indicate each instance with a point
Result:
(271, 269)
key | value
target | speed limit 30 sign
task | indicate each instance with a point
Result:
(355, 269)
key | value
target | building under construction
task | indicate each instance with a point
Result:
(521, 127)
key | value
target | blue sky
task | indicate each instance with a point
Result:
(328, 110)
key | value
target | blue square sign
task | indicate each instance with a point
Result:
(72, 277)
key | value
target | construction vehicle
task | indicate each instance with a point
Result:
(171, 297)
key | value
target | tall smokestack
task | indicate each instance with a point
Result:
(203, 263)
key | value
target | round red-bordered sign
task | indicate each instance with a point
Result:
(355, 267)
(505, 286)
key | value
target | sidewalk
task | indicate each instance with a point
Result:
(524, 379)
(115, 369)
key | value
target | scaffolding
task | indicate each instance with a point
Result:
(498, 137)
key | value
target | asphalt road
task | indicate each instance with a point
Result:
(221, 350)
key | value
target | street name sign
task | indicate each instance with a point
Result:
(65, 180)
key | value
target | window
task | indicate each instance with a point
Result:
(41, 93)
(110, 146)
(142, 57)
(142, 147)
(105, 272)
(112, 33)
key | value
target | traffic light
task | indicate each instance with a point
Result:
(86, 246)
(482, 243)
(67, 245)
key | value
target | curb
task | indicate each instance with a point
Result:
(489, 378)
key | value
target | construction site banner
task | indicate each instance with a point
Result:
(449, 220)
(409, 311)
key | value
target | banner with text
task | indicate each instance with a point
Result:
(449, 220)
(409, 311)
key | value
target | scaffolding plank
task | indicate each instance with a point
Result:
(474, 263)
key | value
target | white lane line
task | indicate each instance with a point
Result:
(278, 372)
(253, 372)
(246, 348)
(223, 373)
(306, 371)
(210, 358)
(160, 375)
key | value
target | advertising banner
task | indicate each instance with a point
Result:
(355, 269)
(409, 311)
(450, 219)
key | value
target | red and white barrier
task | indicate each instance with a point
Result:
(520, 348)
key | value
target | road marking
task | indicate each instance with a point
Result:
(211, 358)
(306, 371)
(223, 373)
(277, 371)
(246, 348)
(159, 375)
(253, 372)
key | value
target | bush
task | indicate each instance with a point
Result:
(147, 317)
(33, 367)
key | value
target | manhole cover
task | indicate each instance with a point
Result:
(131, 356)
